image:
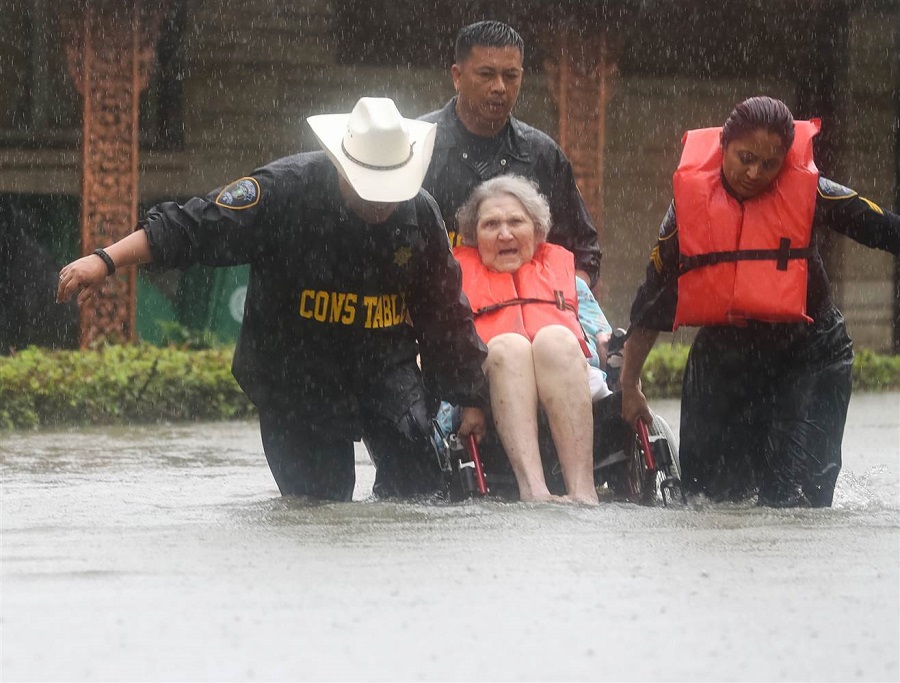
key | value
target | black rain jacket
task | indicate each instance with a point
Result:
(336, 310)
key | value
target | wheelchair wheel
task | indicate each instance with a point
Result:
(661, 428)
(633, 480)
(629, 478)
(665, 454)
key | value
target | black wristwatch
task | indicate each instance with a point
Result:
(110, 266)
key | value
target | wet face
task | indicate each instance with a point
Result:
(750, 163)
(487, 84)
(504, 234)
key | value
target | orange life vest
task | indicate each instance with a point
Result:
(541, 292)
(747, 260)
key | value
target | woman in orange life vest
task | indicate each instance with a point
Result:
(767, 382)
(523, 292)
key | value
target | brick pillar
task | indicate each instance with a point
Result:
(580, 70)
(110, 53)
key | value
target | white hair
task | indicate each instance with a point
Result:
(524, 190)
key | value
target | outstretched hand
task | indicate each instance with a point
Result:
(84, 277)
(473, 422)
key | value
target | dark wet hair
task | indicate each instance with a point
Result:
(486, 34)
(760, 112)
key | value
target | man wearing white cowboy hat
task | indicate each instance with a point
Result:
(351, 278)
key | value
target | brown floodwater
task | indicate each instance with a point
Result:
(165, 553)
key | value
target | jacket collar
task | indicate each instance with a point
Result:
(448, 136)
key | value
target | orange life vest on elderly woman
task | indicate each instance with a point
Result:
(541, 292)
(743, 260)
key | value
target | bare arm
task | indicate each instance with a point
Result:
(86, 276)
(637, 348)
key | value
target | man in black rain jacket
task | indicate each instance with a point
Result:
(478, 139)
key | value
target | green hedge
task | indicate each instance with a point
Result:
(127, 384)
(665, 366)
(118, 384)
(875, 372)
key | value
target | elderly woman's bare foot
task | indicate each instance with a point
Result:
(588, 499)
(542, 498)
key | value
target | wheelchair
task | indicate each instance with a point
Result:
(639, 465)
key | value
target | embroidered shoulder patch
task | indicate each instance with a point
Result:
(667, 230)
(669, 225)
(241, 194)
(831, 190)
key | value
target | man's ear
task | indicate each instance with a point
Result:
(455, 73)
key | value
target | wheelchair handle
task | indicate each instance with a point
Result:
(472, 447)
(614, 358)
(644, 436)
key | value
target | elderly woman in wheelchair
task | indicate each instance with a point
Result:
(524, 294)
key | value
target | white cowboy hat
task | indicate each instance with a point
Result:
(382, 155)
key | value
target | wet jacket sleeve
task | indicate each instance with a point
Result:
(860, 219)
(573, 228)
(451, 351)
(225, 228)
(654, 305)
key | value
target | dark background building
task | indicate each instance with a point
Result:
(229, 84)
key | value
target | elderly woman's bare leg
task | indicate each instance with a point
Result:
(510, 371)
(561, 377)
